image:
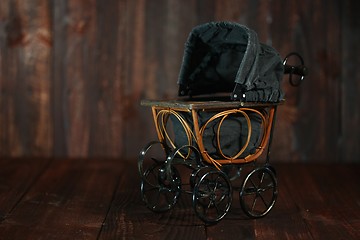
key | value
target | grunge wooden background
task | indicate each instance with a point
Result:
(72, 72)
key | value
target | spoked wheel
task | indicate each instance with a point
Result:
(159, 190)
(212, 196)
(259, 192)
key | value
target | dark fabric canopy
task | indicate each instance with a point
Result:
(226, 57)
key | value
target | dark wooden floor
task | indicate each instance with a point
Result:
(100, 199)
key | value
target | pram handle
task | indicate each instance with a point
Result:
(300, 70)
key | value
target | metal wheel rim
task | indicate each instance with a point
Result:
(212, 197)
(259, 192)
(160, 194)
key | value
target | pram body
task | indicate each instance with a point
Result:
(229, 88)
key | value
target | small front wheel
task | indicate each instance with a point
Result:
(212, 196)
(259, 192)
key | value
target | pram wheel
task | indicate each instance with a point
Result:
(259, 192)
(212, 196)
(159, 190)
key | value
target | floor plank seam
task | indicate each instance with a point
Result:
(113, 197)
(36, 178)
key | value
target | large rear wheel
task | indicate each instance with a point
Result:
(159, 190)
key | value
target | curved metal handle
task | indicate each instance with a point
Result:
(300, 70)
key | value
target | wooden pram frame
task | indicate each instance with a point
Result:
(209, 181)
(162, 109)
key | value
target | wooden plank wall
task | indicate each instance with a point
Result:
(72, 73)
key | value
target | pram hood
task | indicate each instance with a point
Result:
(226, 57)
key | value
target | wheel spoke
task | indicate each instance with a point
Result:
(223, 197)
(252, 183)
(210, 204)
(263, 200)
(249, 191)
(268, 187)
(208, 186)
(217, 182)
(261, 179)
(254, 203)
(217, 209)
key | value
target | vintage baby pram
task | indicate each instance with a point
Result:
(219, 126)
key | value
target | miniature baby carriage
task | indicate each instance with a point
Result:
(219, 126)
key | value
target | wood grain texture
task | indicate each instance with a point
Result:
(72, 73)
(65, 201)
(100, 199)
(350, 75)
(26, 125)
(16, 180)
